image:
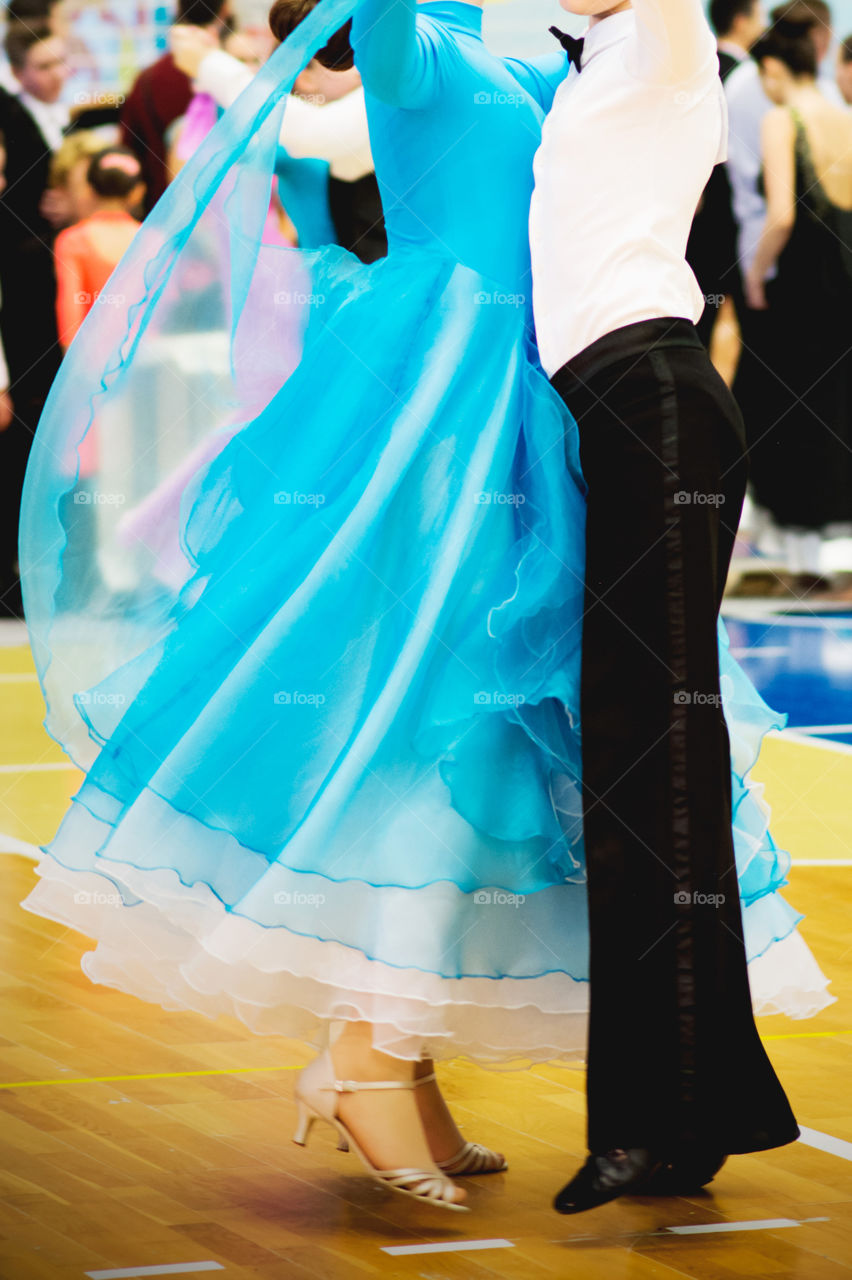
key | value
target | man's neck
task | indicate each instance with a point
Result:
(616, 8)
(31, 97)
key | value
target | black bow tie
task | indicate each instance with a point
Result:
(572, 46)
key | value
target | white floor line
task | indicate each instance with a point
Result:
(821, 744)
(11, 844)
(822, 862)
(455, 1246)
(740, 612)
(760, 651)
(19, 677)
(13, 632)
(825, 1142)
(167, 1269)
(755, 1224)
(52, 766)
(823, 728)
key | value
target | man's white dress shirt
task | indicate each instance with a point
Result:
(735, 51)
(626, 152)
(52, 118)
(336, 132)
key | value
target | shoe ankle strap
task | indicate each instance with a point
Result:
(355, 1086)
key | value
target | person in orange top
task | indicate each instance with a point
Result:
(88, 252)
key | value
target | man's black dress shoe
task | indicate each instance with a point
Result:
(605, 1178)
(685, 1173)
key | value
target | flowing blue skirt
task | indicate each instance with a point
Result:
(344, 782)
(302, 560)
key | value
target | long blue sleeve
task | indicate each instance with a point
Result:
(396, 58)
(540, 77)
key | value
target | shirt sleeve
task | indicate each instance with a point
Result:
(673, 43)
(4, 368)
(395, 54)
(336, 132)
(223, 77)
(541, 77)
(72, 300)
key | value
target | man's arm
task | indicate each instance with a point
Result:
(397, 61)
(674, 40)
(336, 132)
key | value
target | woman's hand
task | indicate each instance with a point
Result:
(755, 290)
(189, 46)
(7, 412)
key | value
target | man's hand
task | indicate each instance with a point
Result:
(55, 208)
(189, 47)
(7, 411)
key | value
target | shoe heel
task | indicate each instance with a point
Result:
(304, 1125)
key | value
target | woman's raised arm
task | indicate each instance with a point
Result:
(398, 64)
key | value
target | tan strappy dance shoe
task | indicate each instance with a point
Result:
(316, 1088)
(472, 1159)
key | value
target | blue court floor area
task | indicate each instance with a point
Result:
(800, 660)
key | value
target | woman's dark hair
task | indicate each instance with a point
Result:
(26, 10)
(790, 43)
(813, 13)
(199, 13)
(285, 16)
(846, 50)
(113, 173)
(23, 36)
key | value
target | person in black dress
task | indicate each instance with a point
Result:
(712, 248)
(801, 451)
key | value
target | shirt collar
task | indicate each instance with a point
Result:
(603, 35)
(732, 50)
(51, 117)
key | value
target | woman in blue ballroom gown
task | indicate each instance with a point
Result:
(333, 776)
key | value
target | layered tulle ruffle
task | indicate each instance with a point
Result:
(346, 782)
(309, 620)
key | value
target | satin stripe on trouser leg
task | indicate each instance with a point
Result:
(674, 1055)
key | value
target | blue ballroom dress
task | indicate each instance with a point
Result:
(334, 772)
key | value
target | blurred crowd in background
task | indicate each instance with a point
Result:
(100, 106)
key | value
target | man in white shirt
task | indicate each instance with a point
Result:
(32, 121)
(738, 24)
(326, 119)
(626, 152)
(40, 71)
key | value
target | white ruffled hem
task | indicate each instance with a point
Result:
(180, 948)
(787, 979)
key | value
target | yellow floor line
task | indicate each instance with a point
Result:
(231, 1071)
(158, 1075)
